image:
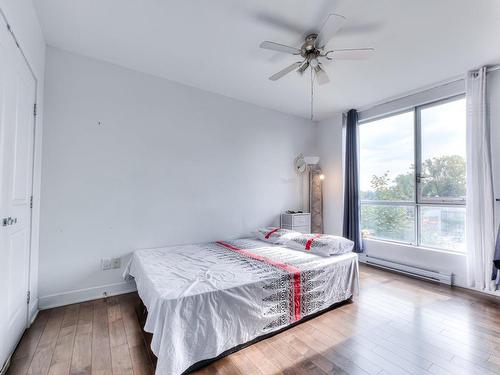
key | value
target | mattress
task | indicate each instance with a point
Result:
(204, 299)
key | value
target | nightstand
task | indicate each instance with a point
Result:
(297, 222)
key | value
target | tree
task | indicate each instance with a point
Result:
(388, 221)
(442, 177)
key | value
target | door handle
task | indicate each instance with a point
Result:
(6, 221)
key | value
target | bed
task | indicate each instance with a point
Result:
(203, 300)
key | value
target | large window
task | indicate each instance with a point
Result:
(412, 176)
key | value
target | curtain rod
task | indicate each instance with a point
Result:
(493, 68)
(490, 69)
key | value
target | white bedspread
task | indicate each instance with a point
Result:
(204, 299)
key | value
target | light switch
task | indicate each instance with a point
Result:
(105, 264)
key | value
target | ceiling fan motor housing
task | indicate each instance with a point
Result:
(309, 46)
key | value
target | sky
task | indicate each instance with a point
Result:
(388, 144)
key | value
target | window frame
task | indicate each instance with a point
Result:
(418, 154)
(418, 201)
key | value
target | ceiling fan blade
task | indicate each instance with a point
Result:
(285, 71)
(280, 22)
(321, 75)
(360, 29)
(333, 23)
(352, 54)
(279, 47)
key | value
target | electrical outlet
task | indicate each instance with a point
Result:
(116, 262)
(105, 264)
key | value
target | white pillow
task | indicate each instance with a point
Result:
(275, 235)
(321, 244)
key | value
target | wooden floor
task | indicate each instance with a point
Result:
(397, 326)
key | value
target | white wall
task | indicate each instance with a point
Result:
(330, 150)
(23, 20)
(169, 164)
(329, 135)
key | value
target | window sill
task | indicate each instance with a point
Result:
(418, 248)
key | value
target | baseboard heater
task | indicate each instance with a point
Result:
(444, 278)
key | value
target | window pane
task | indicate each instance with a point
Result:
(386, 159)
(443, 152)
(443, 227)
(395, 223)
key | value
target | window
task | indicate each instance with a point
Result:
(412, 176)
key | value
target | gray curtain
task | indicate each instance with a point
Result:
(351, 183)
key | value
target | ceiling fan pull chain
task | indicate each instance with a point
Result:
(312, 96)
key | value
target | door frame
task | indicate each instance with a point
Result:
(33, 154)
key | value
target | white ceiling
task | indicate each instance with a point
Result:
(214, 44)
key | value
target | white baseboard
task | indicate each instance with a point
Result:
(88, 294)
(5, 367)
(33, 312)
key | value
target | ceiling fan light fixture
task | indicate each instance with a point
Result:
(314, 63)
(303, 67)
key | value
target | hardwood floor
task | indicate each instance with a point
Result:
(397, 325)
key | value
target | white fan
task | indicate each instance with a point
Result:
(300, 164)
(313, 52)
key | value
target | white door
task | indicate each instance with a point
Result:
(17, 98)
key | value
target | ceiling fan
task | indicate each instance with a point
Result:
(313, 51)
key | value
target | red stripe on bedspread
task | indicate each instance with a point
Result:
(286, 267)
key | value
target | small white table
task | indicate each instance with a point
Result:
(297, 222)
